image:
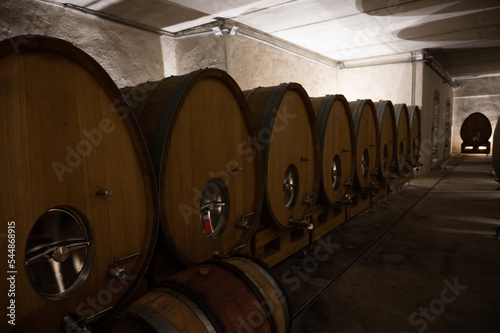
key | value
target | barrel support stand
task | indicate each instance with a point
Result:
(373, 190)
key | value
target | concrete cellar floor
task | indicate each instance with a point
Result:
(424, 260)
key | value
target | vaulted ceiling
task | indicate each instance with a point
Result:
(462, 35)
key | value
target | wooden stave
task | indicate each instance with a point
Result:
(416, 134)
(53, 48)
(159, 310)
(386, 109)
(357, 110)
(322, 108)
(404, 137)
(263, 101)
(267, 284)
(158, 111)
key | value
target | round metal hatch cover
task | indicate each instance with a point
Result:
(290, 186)
(59, 253)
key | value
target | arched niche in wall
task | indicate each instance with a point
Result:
(475, 133)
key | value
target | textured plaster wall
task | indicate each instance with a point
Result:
(129, 55)
(253, 63)
(478, 95)
(201, 51)
(387, 82)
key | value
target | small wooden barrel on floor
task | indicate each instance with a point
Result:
(415, 131)
(366, 132)
(338, 150)
(78, 187)
(387, 140)
(403, 139)
(199, 130)
(475, 133)
(287, 135)
(237, 294)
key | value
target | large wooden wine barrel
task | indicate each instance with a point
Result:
(199, 130)
(416, 134)
(495, 154)
(475, 133)
(78, 190)
(387, 139)
(338, 150)
(287, 135)
(237, 294)
(403, 138)
(366, 132)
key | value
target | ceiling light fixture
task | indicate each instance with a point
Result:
(217, 31)
(221, 30)
(233, 30)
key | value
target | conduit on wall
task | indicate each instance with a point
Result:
(218, 27)
(436, 67)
